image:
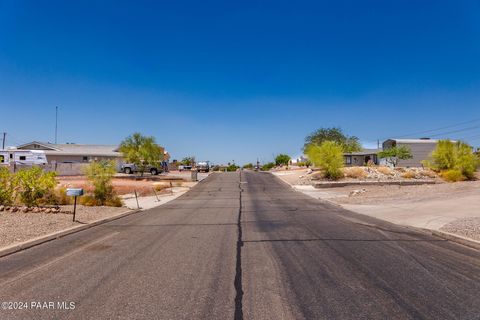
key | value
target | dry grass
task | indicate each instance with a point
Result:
(409, 174)
(428, 173)
(355, 172)
(385, 170)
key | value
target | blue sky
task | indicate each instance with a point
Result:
(227, 80)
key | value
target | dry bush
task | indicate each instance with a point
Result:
(385, 170)
(355, 172)
(409, 174)
(428, 173)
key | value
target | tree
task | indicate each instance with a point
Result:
(348, 143)
(142, 151)
(282, 159)
(188, 161)
(454, 161)
(329, 157)
(393, 154)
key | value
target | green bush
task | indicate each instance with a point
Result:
(452, 159)
(35, 184)
(100, 174)
(232, 168)
(329, 157)
(452, 175)
(7, 186)
(248, 166)
(268, 166)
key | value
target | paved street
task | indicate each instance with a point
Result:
(245, 246)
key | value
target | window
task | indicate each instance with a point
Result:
(23, 158)
(85, 158)
(348, 160)
(2, 158)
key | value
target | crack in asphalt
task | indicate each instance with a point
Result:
(238, 272)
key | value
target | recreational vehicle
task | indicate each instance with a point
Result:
(25, 157)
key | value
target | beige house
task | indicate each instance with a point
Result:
(75, 153)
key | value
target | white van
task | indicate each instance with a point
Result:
(28, 157)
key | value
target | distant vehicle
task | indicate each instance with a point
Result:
(184, 167)
(130, 168)
(203, 166)
(26, 157)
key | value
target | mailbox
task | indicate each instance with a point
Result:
(74, 192)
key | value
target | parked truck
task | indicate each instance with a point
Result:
(203, 166)
(130, 168)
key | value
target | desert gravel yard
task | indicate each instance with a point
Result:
(468, 227)
(19, 227)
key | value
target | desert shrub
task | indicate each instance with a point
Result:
(449, 156)
(428, 173)
(329, 157)
(355, 172)
(394, 154)
(452, 175)
(385, 170)
(7, 186)
(409, 175)
(232, 168)
(35, 184)
(248, 166)
(100, 174)
(88, 200)
(268, 166)
(61, 196)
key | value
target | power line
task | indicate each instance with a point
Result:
(440, 128)
(455, 131)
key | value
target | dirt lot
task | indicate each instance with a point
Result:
(127, 184)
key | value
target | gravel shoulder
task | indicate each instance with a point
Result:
(20, 227)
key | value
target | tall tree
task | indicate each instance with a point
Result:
(348, 143)
(142, 151)
(282, 159)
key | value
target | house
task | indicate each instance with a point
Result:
(361, 158)
(75, 153)
(420, 149)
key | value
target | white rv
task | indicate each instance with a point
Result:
(26, 157)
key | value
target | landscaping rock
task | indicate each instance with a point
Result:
(1, 208)
(356, 192)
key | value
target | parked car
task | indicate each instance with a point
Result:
(130, 168)
(184, 167)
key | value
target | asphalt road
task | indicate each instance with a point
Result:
(244, 246)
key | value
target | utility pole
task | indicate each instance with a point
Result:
(4, 137)
(56, 123)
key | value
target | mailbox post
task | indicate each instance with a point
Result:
(74, 192)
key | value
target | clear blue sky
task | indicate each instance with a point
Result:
(237, 80)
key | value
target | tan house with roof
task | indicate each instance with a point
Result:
(75, 153)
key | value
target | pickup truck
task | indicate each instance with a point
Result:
(130, 168)
(184, 167)
(203, 166)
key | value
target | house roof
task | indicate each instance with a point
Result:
(75, 149)
(363, 152)
(414, 140)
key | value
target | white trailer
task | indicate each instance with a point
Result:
(25, 157)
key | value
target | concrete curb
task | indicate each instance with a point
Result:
(474, 244)
(57, 235)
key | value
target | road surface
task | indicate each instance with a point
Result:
(243, 246)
